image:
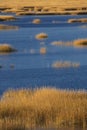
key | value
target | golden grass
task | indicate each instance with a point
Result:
(6, 48)
(7, 18)
(82, 20)
(41, 36)
(65, 64)
(44, 107)
(45, 7)
(65, 3)
(80, 43)
(74, 43)
(36, 21)
(7, 27)
(43, 50)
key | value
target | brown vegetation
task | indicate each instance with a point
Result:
(8, 27)
(36, 21)
(75, 43)
(82, 20)
(65, 64)
(28, 7)
(44, 107)
(41, 36)
(7, 18)
(43, 50)
(6, 48)
(80, 42)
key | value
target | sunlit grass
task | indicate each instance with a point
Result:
(41, 36)
(7, 18)
(81, 20)
(6, 48)
(65, 64)
(74, 43)
(36, 21)
(44, 107)
(7, 27)
(43, 50)
(80, 42)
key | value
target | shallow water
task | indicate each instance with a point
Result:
(32, 69)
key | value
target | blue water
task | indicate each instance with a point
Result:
(35, 70)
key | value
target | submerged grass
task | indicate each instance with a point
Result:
(65, 64)
(43, 107)
(7, 27)
(74, 43)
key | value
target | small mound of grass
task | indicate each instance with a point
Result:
(7, 27)
(6, 48)
(7, 18)
(36, 21)
(41, 36)
(82, 20)
(65, 64)
(80, 42)
(43, 50)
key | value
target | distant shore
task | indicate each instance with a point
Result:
(44, 7)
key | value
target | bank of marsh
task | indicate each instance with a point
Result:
(43, 107)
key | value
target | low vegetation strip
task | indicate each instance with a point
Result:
(65, 64)
(43, 107)
(76, 43)
(7, 18)
(7, 27)
(81, 20)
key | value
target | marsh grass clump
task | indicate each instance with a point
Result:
(82, 20)
(80, 43)
(6, 48)
(74, 43)
(43, 107)
(7, 27)
(43, 50)
(36, 21)
(65, 64)
(41, 36)
(7, 18)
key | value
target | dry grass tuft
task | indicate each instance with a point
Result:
(65, 64)
(36, 21)
(44, 107)
(80, 42)
(82, 20)
(43, 50)
(41, 36)
(75, 43)
(6, 48)
(7, 18)
(7, 27)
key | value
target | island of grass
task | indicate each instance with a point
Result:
(81, 20)
(80, 43)
(6, 48)
(65, 64)
(7, 18)
(8, 27)
(74, 43)
(41, 36)
(43, 108)
(36, 21)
